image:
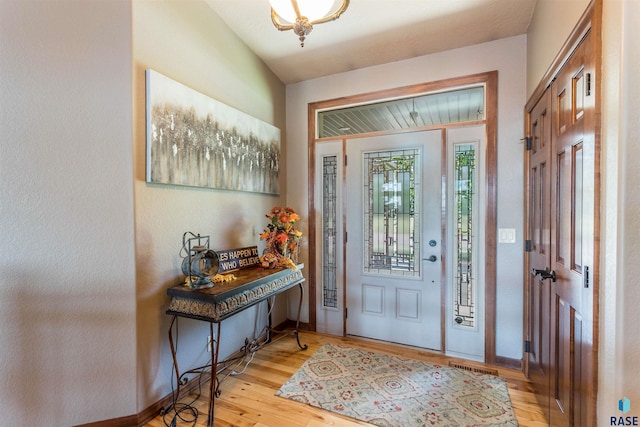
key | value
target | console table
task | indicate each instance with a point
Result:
(225, 299)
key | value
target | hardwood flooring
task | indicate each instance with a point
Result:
(248, 399)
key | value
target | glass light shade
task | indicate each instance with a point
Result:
(311, 9)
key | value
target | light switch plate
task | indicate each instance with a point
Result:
(506, 235)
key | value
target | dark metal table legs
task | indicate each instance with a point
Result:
(295, 331)
(214, 387)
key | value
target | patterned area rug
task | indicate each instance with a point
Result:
(391, 391)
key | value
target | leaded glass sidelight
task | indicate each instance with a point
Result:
(464, 304)
(391, 219)
(329, 226)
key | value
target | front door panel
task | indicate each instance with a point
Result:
(393, 211)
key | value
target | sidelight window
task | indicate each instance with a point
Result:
(464, 309)
(329, 227)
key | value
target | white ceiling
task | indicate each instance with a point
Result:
(372, 32)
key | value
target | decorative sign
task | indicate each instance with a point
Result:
(235, 259)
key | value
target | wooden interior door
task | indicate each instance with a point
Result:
(539, 250)
(572, 241)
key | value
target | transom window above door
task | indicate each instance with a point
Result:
(431, 109)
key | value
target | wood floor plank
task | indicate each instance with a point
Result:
(248, 399)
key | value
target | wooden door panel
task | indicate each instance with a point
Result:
(577, 214)
(562, 363)
(562, 208)
(572, 224)
(539, 233)
(569, 407)
(562, 102)
(579, 417)
(566, 385)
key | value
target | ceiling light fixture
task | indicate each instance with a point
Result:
(413, 113)
(301, 15)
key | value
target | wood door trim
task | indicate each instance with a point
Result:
(311, 165)
(491, 219)
(526, 281)
(490, 80)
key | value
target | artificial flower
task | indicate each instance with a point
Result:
(282, 238)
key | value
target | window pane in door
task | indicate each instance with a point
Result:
(463, 203)
(329, 224)
(390, 219)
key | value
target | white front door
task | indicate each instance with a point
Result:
(394, 223)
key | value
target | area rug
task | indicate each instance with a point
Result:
(391, 391)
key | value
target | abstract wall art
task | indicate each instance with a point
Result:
(194, 140)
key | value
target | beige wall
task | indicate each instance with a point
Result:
(187, 42)
(630, 204)
(508, 57)
(619, 365)
(551, 24)
(88, 248)
(67, 272)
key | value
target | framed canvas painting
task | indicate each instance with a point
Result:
(194, 140)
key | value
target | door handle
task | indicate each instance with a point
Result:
(544, 274)
(432, 258)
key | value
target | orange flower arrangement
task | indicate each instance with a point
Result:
(282, 238)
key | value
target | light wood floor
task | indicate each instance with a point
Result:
(248, 399)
